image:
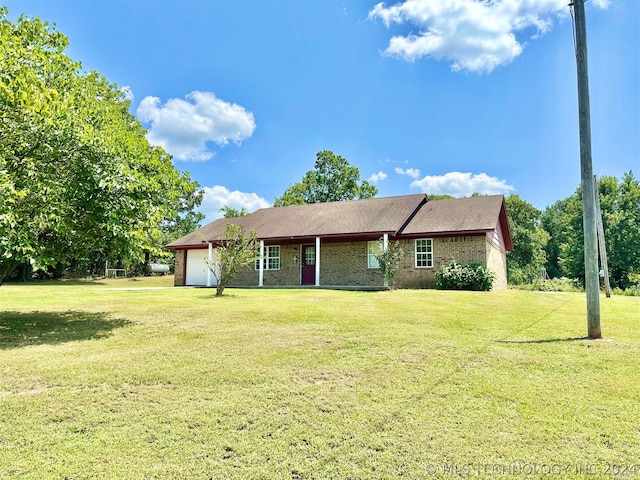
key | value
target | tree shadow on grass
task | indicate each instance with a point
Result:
(20, 329)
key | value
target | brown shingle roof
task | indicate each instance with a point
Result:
(461, 215)
(355, 217)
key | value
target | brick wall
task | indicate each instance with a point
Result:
(288, 275)
(246, 277)
(178, 279)
(462, 249)
(497, 263)
(345, 264)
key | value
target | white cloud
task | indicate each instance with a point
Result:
(218, 196)
(377, 177)
(474, 35)
(128, 93)
(460, 184)
(183, 127)
(412, 172)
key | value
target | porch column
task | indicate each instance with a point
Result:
(317, 261)
(261, 269)
(209, 264)
(385, 247)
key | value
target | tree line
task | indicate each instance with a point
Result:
(79, 182)
(553, 238)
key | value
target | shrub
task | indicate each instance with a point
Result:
(473, 276)
(389, 262)
(562, 284)
(633, 291)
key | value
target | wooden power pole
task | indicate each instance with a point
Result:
(592, 281)
(602, 245)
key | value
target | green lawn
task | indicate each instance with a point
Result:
(111, 380)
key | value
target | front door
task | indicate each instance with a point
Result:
(308, 265)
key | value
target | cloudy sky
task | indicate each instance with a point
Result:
(436, 96)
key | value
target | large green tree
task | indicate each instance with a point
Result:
(77, 175)
(620, 205)
(333, 179)
(528, 257)
(563, 222)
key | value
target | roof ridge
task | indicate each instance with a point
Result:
(332, 202)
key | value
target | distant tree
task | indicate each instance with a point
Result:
(528, 257)
(562, 222)
(237, 249)
(389, 263)
(620, 205)
(433, 196)
(230, 212)
(333, 179)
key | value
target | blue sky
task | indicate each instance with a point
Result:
(435, 96)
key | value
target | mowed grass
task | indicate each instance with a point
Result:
(111, 380)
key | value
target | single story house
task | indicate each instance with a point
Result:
(333, 244)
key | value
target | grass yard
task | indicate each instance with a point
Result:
(113, 380)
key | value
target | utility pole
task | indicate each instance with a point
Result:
(592, 281)
(602, 244)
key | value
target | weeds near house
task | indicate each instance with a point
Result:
(112, 380)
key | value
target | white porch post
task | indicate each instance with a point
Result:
(385, 247)
(261, 269)
(209, 264)
(317, 261)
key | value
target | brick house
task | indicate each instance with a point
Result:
(333, 244)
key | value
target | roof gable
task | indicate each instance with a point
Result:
(461, 215)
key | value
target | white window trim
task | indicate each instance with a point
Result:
(370, 254)
(267, 256)
(429, 258)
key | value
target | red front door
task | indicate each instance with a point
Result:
(308, 265)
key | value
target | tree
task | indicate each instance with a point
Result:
(562, 223)
(230, 212)
(435, 196)
(236, 250)
(621, 218)
(333, 179)
(528, 257)
(182, 219)
(78, 176)
(620, 205)
(389, 263)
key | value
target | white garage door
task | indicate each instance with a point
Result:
(197, 268)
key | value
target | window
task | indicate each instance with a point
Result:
(309, 255)
(373, 248)
(271, 259)
(424, 253)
